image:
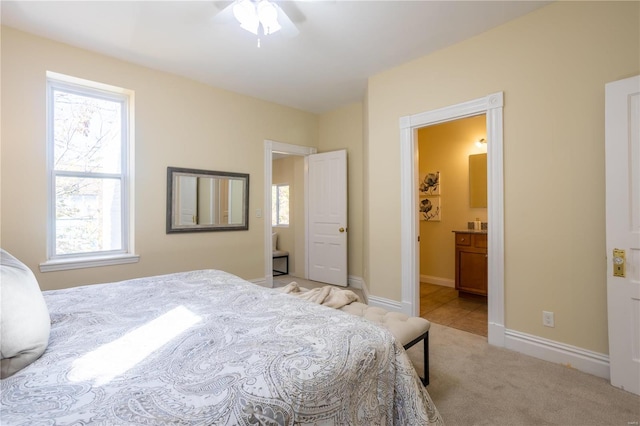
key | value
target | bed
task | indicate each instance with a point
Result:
(208, 348)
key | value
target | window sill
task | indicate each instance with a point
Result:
(87, 262)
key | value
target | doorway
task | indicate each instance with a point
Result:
(325, 211)
(271, 147)
(288, 215)
(492, 105)
(452, 188)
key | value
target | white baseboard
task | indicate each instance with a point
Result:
(445, 282)
(355, 282)
(388, 304)
(571, 356)
(496, 334)
(358, 283)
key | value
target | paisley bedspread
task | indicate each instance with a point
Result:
(208, 348)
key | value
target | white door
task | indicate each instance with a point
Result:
(622, 142)
(187, 200)
(328, 217)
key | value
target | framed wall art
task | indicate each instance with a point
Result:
(430, 209)
(429, 184)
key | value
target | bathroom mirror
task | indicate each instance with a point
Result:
(204, 200)
(478, 181)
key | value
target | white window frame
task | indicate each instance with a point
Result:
(277, 205)
(57, 262)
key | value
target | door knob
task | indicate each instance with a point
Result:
(341, 229)
(619, 261)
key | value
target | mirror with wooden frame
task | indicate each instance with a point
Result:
(206, 200)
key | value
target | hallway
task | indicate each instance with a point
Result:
(442, 305)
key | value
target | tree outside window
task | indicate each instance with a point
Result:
(280, 205)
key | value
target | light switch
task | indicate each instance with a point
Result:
(258, 212)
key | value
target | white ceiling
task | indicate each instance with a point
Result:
(340, 44)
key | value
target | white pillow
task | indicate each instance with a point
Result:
(274, 241)
(24, 317)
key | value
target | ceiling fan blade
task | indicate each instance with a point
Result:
(222, 4)
(225, 15)
(289, 29)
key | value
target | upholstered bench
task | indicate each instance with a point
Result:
(407, 330)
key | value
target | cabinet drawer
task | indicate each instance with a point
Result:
(463, 239)
(480, 240)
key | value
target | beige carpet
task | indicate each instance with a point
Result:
(473, 383)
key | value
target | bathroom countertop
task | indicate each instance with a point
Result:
(470, 231)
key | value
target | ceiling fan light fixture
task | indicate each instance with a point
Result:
(245, 12)
(268, 16)
(251, 14)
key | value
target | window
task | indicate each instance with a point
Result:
(280, 205)
(89, 167)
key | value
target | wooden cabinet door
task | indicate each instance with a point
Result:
(472, 272)
(471, 263)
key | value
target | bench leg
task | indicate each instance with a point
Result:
(425, 380)
(425, 340)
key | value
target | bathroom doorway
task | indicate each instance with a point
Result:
(492, 105)
(452, 190)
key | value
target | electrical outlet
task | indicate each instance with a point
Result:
(547, 319)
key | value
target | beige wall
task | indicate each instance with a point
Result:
(342, 129)
(290, 170)
(178, 122)
(446, 148)
(552, 65)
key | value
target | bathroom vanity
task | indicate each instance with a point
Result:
(471, 262)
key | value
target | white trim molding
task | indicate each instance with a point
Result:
(358, 283)
(355, 282)
(584, 360)
(492, 106)
(266, 214)
(388, 304)
(269, 148)
(123, 222)
(87, 262)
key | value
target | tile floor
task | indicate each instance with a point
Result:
(442, 305)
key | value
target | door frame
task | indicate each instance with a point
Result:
(492, 106)
(284, 148)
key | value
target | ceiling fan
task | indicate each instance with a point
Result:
(259, 17)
